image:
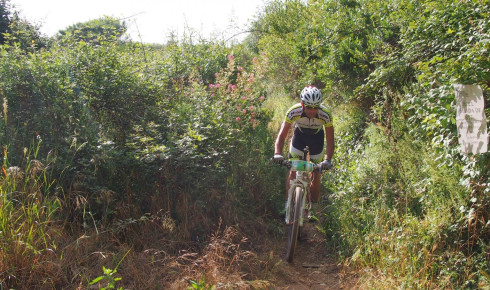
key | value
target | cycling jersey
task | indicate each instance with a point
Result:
(309, 126)
(308, 132)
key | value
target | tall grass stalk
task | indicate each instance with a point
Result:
(27, 223)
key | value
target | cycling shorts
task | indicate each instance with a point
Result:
(316, 143)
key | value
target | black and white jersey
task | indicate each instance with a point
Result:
(296, 115)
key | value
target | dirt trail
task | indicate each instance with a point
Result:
(313, 267)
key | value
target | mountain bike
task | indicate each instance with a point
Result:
(299, 199)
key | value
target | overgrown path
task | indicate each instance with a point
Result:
(314, 267)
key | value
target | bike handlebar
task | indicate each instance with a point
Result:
(289, 165)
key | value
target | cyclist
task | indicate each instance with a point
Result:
(313, 128)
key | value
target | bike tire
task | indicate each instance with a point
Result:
(293, 226)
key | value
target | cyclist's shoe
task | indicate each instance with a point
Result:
(310, 214)
(312, 218)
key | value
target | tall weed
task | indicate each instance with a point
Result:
(399, 210)
(29, 226)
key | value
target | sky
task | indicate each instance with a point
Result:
(149, 21)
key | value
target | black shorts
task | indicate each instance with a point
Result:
(316, 143)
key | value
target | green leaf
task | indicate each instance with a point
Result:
(96, 280)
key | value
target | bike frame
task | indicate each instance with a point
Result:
(302, 180)
(298, 197)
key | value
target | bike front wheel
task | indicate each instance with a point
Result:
(293, 226)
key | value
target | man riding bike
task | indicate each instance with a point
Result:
(313, 128)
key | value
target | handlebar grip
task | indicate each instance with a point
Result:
(284, 162)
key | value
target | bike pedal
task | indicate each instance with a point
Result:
(312, 220)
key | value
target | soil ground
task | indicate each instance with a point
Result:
(313, 266)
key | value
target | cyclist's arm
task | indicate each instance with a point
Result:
(330, 142)
(283, 132)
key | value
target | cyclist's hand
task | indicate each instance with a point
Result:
(278, 158)
(325, 164)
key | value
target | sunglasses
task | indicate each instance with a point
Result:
(311, 107)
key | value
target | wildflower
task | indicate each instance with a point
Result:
(247, 89)
(252, 120)
(211, 85)
(237, 119)
(212, 95)
(15, 173)
(240, 68)
(244, 111)
(231, 57)
(218, 85)
(251, 108)
(262, 98)
(244, 98)
(255, 59)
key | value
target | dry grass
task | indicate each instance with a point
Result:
(149, 252)
(146, 255)
(218, 264)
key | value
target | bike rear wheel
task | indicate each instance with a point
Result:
(293, 226)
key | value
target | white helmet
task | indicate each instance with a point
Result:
(311, 96)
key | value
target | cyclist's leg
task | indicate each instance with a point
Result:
(317, 153)
(315, 186)
(297, 141)
(316, 177)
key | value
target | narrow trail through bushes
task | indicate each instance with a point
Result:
(314, 267)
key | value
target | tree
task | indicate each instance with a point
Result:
(27, 35)
(93, 31)
(4, 19)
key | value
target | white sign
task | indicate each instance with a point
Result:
(470, 119)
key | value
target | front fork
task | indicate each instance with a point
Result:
(305, 201)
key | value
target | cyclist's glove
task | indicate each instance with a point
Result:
(326, 164)
(278, 158)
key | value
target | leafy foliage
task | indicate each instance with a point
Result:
(5, 15)
(93, 31)
(399, 165)
(166, 141)
(24, 34)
